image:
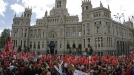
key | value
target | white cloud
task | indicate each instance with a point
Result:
(74, 6)
(1, 21)
(39, 7)
(17, 8)
(2, 7)
(0, 32)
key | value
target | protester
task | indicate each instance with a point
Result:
(21, 63)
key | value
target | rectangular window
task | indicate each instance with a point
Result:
(30, 44)
(79, 33)
(98, 29)
(21, 43)
(101, 41)
(60, 44)
(86, 7)
(42, 45)
(95, 42)
(94, 23)
(58, 4)
(88, 31)
(100, 22)
(84, 43)
(16, 43)
(88, 42)
(25, 34)
(43, 34)
(24, 43)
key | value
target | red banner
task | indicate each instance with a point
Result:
(9, 46)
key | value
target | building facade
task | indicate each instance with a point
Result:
(59, 31)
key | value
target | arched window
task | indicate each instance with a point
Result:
(98, 29)
(68, 46)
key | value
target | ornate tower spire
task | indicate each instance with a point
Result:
(108, 7)
(124, 20)
(129, 18)
(101, 5)
(15, 15)
(22, 15)
(46, 13)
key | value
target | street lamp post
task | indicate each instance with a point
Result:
(119, 16)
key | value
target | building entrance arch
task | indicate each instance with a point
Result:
(52, 46)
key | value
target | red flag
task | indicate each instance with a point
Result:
(51, 64)
(5, 63)
(9, 46)
(131, 55)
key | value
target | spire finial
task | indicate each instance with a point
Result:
(101, 4)
(108, 7)
(22, 15)
(129, 18)
(124, 20)
(46, 13)
(15, 15)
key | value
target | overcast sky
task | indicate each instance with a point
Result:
(9, 7)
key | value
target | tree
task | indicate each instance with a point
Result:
(86, 50)
(70, 51)
(26, 49)
(19, 49)
(79, 49)
(5, 35)
(0, 43)
(91, 51)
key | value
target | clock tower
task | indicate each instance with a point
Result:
(59, 9)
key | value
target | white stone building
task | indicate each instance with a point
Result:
(59, 30)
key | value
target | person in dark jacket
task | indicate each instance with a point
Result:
(32, 71)
(8, 72)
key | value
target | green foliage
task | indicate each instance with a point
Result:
(19, 49)
(0, 43)
(70, 51)
(79, 51)
(86, 50)
(5, 35)
(91, 51)
(26, 49)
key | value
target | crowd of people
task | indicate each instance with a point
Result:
(20, 63)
